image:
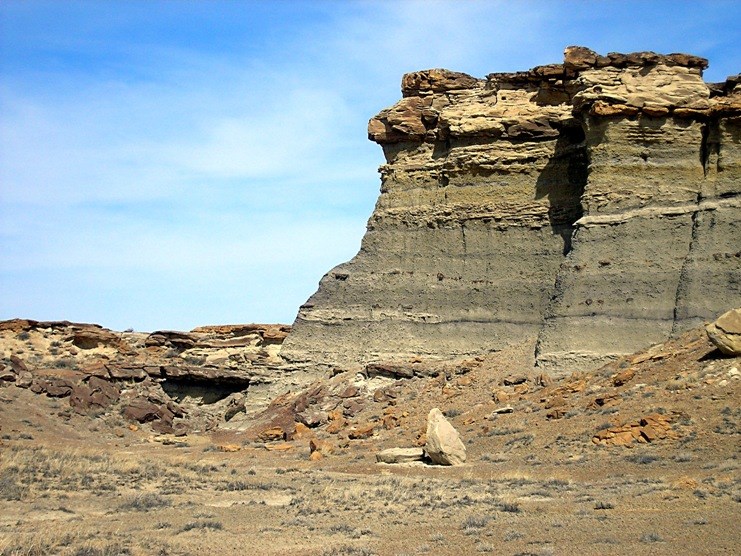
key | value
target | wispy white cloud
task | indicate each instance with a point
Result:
(104, 141)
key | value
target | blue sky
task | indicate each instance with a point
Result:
(173, 164)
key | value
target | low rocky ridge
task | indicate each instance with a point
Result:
(176, 381)
(589, 208)
(670, 393)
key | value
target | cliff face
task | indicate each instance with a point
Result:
(589, 207)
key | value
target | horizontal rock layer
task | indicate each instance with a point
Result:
(589, 207)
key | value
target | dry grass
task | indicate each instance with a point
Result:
(63, 542)
(38, 469)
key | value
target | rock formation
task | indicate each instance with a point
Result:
(589, 207)
(175, 381)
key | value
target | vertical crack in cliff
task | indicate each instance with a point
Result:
(556, 294)
(465, 246)
(704, 154)
(683, 273)
(709, 154)
(710, 148)
(570, 159)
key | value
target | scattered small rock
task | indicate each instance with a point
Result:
(336, 425)
(319, 449)
(555, 401)
(17, 365)
(7, 374)
(500, 396)
(300, 431)
(648, 429)
(556, 413)
(362, 431)
(279, 447)
(24, 380)
(271, 435)
(350, 392)
(623, 377)
(607, 400)
(352, 407)
(390, 421)
(312, 418)
(235, 406)
(513, 380)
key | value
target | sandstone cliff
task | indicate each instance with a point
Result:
(589, 207)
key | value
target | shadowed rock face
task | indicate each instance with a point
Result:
(589, 207)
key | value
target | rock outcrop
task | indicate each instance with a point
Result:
(147, 377)
(589, 207)
(647, 429)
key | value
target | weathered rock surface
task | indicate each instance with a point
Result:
(400, 455)
(590, 207)
(444, 445)
(95, 393)
(647, 429)
(319, 449)
(7, 374)
(91, 336)
(725, 332)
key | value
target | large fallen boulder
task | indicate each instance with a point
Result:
(725, 332)
(142, 410)
(444, 445)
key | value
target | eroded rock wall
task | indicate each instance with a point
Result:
(658, 248)
(589, 207)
